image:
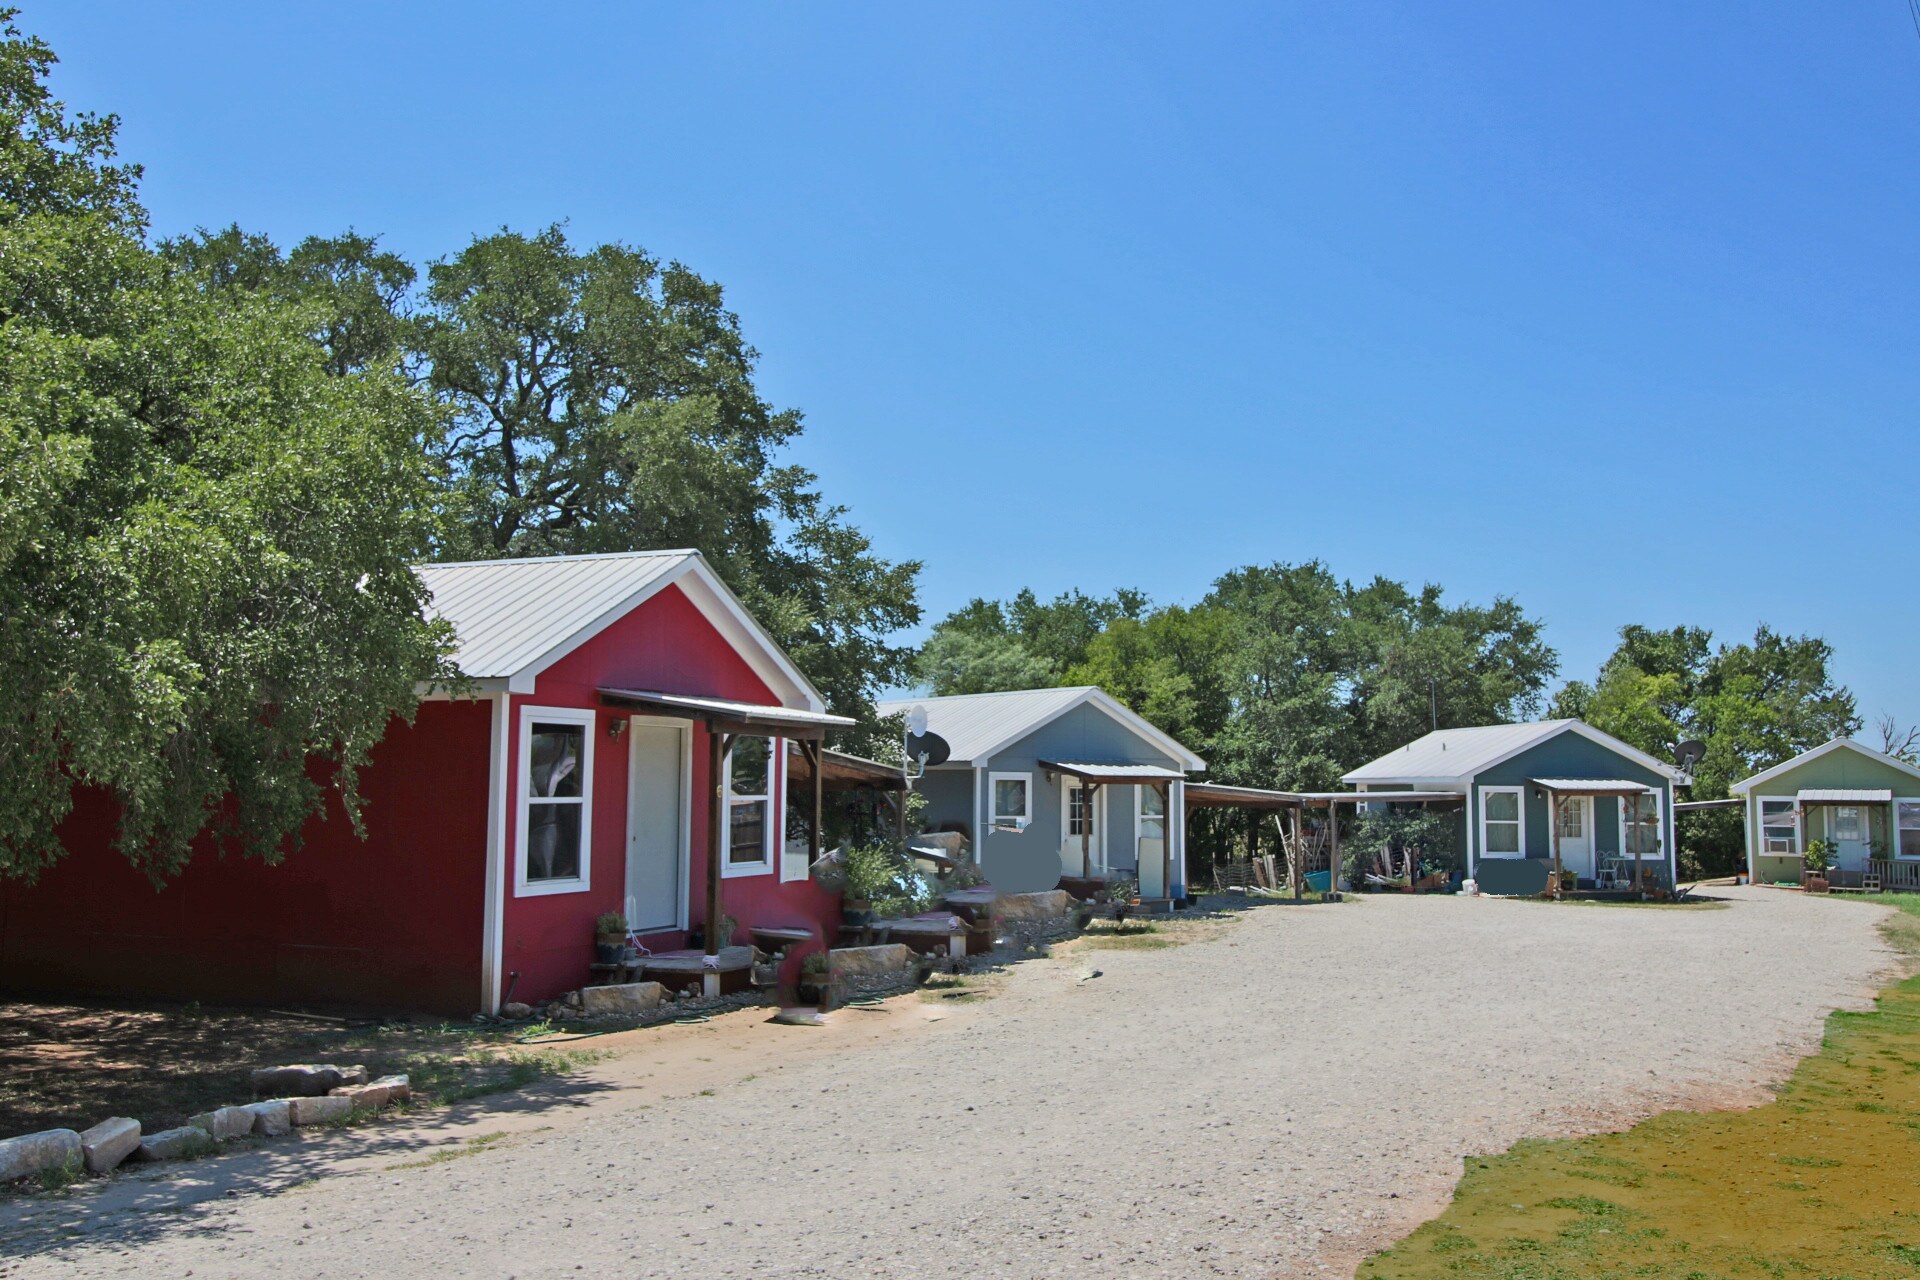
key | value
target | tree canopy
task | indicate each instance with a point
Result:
(207, 608)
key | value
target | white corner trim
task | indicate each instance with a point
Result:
(585, 717)
(492, 921)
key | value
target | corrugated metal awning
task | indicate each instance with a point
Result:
(1378, 797)
(1216, 795)
(741, 717)
(1593, 786)
(1844, 795)
(1116, 773)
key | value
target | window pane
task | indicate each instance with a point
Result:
(1010, 798)
(747, 832)
(1155, 828)
(1846, 823)
(1079, 820)
(1572, 819)
(1503, 837)
(749, 776)
(554, 768)
(1152, 803)
(1909, 817)
(553, 841)
(1909, 843)
(1503, 806)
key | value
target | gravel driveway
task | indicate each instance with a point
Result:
(1277, 1100)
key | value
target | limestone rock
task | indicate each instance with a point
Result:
(223, 1123)
(398, 1088)
(306, 1111)
(626, 999)
(868, 962)
(304, 1080)
(105, 1145)
(271, 1119)
(176, 1144)
(514, 1011)
(35, 1153)
(1051, 905)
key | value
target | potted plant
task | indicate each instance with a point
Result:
(813, 978)
(610, 937)
(1122, 892)
(1816, 860)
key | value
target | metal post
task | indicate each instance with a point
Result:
(1553, 820)
(1166, 841)
(718, 745)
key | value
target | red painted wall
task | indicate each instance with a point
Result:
(391, 922)
(666, 645)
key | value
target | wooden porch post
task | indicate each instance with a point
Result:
(816, 831)
(1297, 864)
(1166, 841)
(1553, 824)
(718, 745)
(1087, 790)
(1639, 886)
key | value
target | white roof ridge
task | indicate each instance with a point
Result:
(585, 555)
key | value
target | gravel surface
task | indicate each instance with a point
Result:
(1277, 1099)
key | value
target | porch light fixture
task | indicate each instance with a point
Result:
(616, 726)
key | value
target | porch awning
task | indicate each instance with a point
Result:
(842, 772)
(1121, 774)
(1216, 795)
(1330, 798)
(736, 717)
(1844, 795)
(1593, 786)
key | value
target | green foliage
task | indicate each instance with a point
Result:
(1819, 856)
(1753, 704)
(1392, 842)
(609, 923)
(883, 876)
(206, 602)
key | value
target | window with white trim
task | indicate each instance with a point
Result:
(1012, 798)
(1080, 801)
(556, 800)
(1780, 827)
(794, 864)
(1500, 823)
(1846, 822)
(1572, 819)
(1640, 820)
(1150, 816)
(1908, 840)
(749, 806)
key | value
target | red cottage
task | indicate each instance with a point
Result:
(577, 779)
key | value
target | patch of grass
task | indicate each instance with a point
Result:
(471, 1147)
(1699, 1196)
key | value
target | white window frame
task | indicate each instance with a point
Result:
(1141, 817)
(588, 720)
(772, 829)
(1579, 806)
(793, 863)
(1897, 802)
(1519, 795)
(1760, 825)
(1859, 812)
(1097, 837)
(1664, 852)
(996, 819)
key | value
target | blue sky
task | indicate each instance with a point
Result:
(1610, 308)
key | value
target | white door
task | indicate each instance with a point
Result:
(656, 825)
(1080, 812)
(1851, 848)
(1574, 816)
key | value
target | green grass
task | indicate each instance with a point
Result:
(471, 1147)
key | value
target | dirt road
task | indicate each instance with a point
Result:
(1279, 1098)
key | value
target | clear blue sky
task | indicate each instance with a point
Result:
(1607, 307)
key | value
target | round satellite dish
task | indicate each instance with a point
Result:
(1689, 754)
(916, 720)
(928, 748)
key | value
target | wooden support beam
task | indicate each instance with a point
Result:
(718, 747)
(1166, 840)
(1333, 851)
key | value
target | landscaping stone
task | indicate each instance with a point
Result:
(626, 999)
(224, 1123)
(105, 1145)
(398, 1088)
(272, 1118)
(514, 1011)
(176, 1144)
(305, 1080)
(869, 962)
(356, 1074)
(306, 1111)
(1034, 906)
(35, 1153)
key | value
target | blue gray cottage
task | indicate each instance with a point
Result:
(1524, 787)
(1059, 782)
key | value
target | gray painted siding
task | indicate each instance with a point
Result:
(1569, 755)
(949, 794)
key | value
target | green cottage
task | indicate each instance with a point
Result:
(1865, 804)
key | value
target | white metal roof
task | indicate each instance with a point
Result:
(1456, 755)
(514, 618)
(977, 725)
(1745, 785)
(1115, 772)
(1844, 795)
(1593, 786)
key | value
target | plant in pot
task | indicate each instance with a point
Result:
(813, 978)
(1817, 859)
(610, 937)
(1122, 891)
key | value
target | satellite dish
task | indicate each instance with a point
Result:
(928, 748)
(916, 720)
(1689, 754)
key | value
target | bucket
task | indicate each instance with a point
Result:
(1318, 881)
